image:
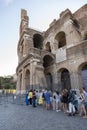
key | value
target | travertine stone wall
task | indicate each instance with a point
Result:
(56, 57)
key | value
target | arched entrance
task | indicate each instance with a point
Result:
(65, 79)
(48, 47)
(27, 80)
(48, 62)
(38, 41)
(49, 81)
(84, 76)
(61, 39)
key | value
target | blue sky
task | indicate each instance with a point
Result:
(41, 13)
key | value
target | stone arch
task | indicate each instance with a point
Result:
(82, 69)
(27, 80)
(64, 78)
(48, 47)
(47, 60)
(38, 41)
(61, 39)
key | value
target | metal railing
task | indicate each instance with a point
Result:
(6, 99)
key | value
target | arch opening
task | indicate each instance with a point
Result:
(27, 80)
(47, 61)
(65, 79)
(48, 47)
(38, 41)
(61, 39)
(84, 76)
(49, 81)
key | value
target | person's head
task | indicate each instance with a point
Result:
(43, 90)
(65, 90)
(81, 90)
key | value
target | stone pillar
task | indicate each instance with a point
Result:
(32, 74)
(37, 78)
(23, 89)
(28, 43)
(18, 84)
(54, 78)
(80, 82)
(24, 48)
(40, 79)
(20, 53)
(55, 45)
(74, 80)
(59, 81)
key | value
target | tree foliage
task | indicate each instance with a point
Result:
(7, 83)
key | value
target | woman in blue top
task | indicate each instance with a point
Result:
(47, 98)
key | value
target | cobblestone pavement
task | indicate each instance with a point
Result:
(14, 116)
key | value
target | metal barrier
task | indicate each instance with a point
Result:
(6, 99)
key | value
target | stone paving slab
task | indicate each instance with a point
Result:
(22, 117)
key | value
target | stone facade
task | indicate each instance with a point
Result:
(55, 58)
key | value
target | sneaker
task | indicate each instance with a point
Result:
(58, 110)
(67, 111)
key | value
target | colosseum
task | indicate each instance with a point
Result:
(55, 58)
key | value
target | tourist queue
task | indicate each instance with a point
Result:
(68, 101)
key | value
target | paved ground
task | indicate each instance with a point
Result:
(18, 116)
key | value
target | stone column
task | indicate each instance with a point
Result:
(54, 78)
(32, 73)
(18, 84)
(74, 80)
(40, 79)
(80, 82)
(59, 81)
(23, 89)
(55, 45)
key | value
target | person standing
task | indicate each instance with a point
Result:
(57, 101)
(83, 99)
(30, 97)
(34, 98)
(47, 97)
(27, 100)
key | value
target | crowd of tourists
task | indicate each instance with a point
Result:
(71, 102)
